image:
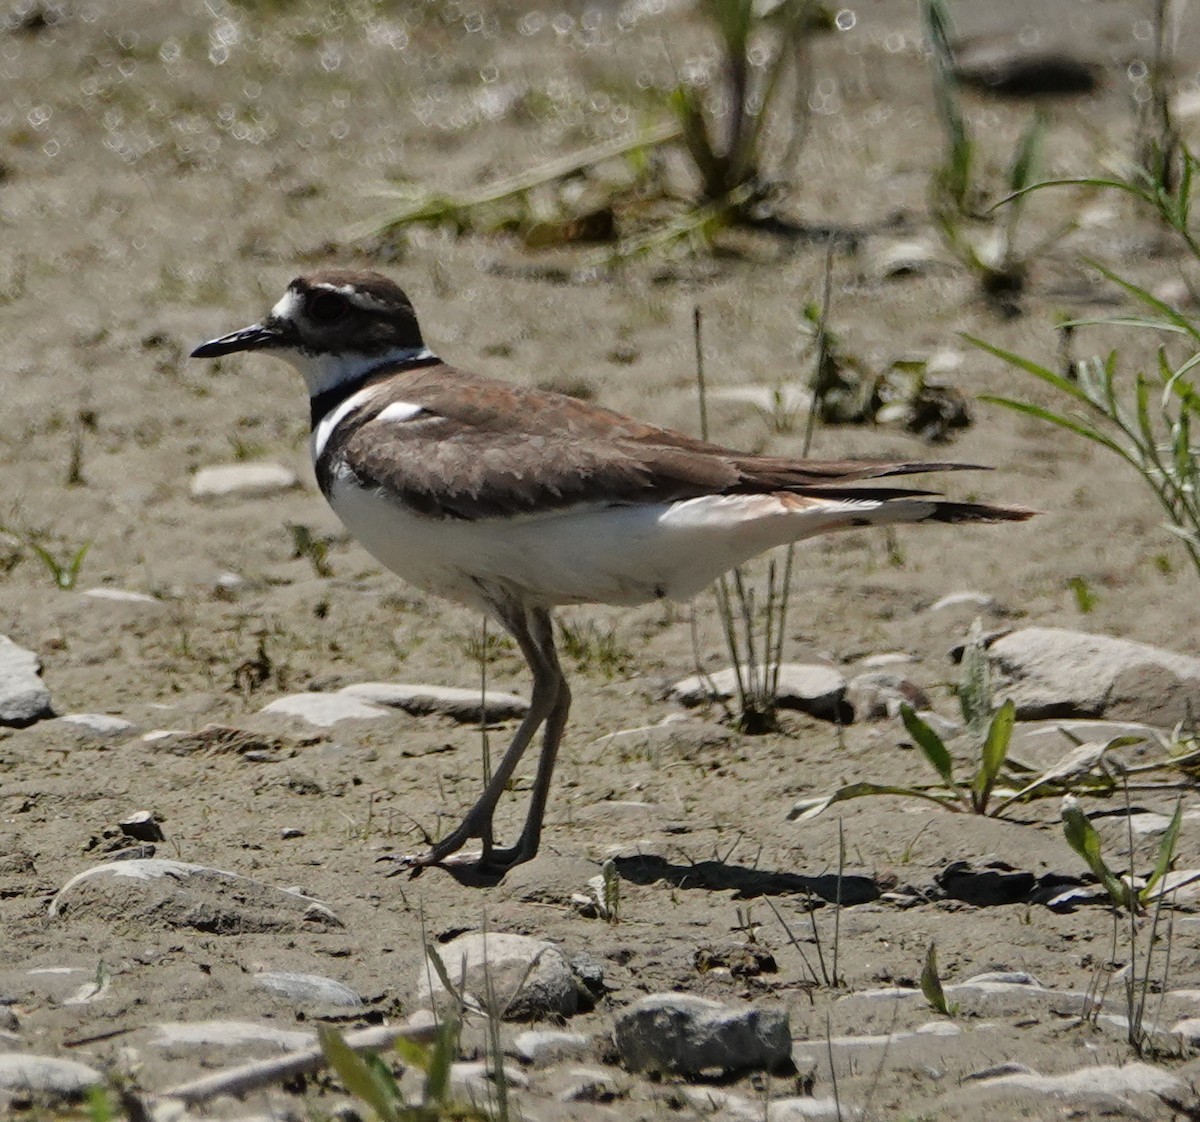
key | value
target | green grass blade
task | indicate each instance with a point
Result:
(360, 1078)
(1047, 375)
(1082, 837)
(1166, 852)
(1080, 428)
(930, 744)
(994, 753)
(1145, 296)
(1081, 181)
(931, 982)
(975, 686)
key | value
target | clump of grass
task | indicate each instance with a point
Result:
(1147, 422)
(314, 548)
(995, 783)
(1130, 897)
(989, 246)
(740, 126)
(64, 572)
(592, 647)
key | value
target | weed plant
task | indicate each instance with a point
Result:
(740, 129)
(990, 247)
(1145, 420)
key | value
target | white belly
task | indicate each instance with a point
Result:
(610, 555)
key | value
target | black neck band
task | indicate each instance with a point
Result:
(321, 404)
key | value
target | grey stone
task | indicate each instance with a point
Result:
(46, 1075)
(60, 985)
(101, 724)
(878, 694)
(885, 659)
(540, 1047)
(450, 701)
(814, 689)
(1051, 672)
(185, 1036)
(471, 1079)
(1008, 65)
(308, 989)
(531, 978)
(737, 1108)
(806, 1109)
(242, 480)
(120, 596)
(681, 1034)
(1044, 744)
(1098, 1079)
(909, 257)
(978, 998)
(324, 709)
(159, 893)
(23, 697)
(591, 1085)
(1164, 1042)
(977, 601)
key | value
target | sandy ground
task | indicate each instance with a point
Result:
(166, 172)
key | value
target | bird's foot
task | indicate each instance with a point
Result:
(477, 868)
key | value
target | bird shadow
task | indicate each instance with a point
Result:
(747, 883)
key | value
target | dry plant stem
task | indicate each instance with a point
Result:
(548, 172)
(237, 1081)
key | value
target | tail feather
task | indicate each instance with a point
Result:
(945, 510)
(885, 509)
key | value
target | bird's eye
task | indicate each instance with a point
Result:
(325, 307)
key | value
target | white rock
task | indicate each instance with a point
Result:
(1050, 672)
(531, 978)
(806, 1110)
(590, 1085)
(1103, 1079)
(183, 1035)
(452, 701)
(680, 1034)
(324, 709)
(120, 596)
(308, 989)
(910, 257)
(812, 688)
(979, 601)
(155, 892)
(23, 697)
(100, 723)
(243, 480)
(46, 1075)
(546, 1046)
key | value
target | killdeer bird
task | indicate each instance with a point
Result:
(515, 501)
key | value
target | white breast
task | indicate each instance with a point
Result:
(612, 555)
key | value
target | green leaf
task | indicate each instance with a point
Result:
(1166, 851)
(1082, 837)
(360, 1078)
(975, 687)
(995, 750)
(1080, 428)
(1030, 367)
(931, 745)
(931, 982)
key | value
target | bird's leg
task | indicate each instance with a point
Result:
(545, 703)
(527, 844)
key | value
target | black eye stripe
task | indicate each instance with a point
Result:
(325, 307)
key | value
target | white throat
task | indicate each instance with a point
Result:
(323, 372)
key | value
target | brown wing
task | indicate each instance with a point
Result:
(485, 449)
